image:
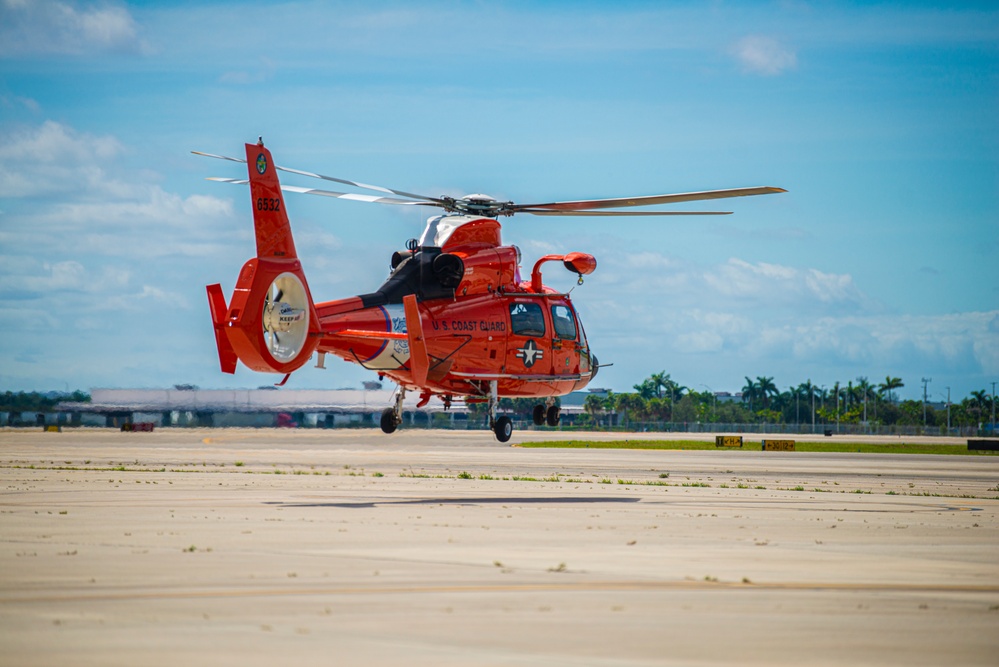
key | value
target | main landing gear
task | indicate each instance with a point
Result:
(502, 427)
(549, 413)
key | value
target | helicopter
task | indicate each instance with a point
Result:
(454, 319)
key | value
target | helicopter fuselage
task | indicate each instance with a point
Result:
(481, 322)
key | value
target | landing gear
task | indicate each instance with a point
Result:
(553, 415)
(549, 413)
(539, 415)
(389, 423)
(392, 417)
(501, 426)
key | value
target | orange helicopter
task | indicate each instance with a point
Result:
(453, 319)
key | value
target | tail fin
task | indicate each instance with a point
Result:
(270, 220)
(216, 302)
(271, 323)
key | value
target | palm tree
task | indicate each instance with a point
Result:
(594, 406)
(631, 406)
(979, 404)
(749, 392)
(889, 385)
(822, 394)
(864, 390)
(767, 389)
(836, 390)
(807, 390)
(660, 381)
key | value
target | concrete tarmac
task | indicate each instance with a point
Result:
(264, 547)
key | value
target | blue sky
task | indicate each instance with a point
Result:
(881, 120)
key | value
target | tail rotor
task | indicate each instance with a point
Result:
(285, 318)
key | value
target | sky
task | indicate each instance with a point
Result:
(881, 120)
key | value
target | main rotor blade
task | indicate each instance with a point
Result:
(651, 200)
(377, 188)
(371, 199)
(356, 184)
(221, 157)
(609, 213)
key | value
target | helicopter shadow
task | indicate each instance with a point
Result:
(512, 500)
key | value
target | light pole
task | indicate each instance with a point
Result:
(925, 382)
(837, 406)
(993, 408)
(797, 400)
(811, 390)
(948, 410)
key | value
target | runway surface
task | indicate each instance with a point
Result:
(263, 547)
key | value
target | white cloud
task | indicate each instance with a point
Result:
(78, 201)
(764, 55)
(19, 102)
(54, 142)
(715, 324)
(66, 28)
(32, 278)
(53, 158)
(155, 293)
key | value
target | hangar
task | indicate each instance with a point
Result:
(187, 405)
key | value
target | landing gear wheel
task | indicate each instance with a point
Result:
(554, 414)
(388, 420)
(503, 428)
(539, 415)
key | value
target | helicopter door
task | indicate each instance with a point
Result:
(565, 336)
(528, 350)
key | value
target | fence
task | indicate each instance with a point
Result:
(769, 429)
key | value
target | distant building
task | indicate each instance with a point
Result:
(187, 405)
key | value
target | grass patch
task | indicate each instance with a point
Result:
(826, 447)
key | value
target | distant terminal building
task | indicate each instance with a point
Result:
(187, 405)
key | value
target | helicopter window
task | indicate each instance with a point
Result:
(565, 325)
(527, 319)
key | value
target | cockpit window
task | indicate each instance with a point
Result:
(565, 324)
(527, 319)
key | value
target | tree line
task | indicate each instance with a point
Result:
(33, 401)
(659, 398)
